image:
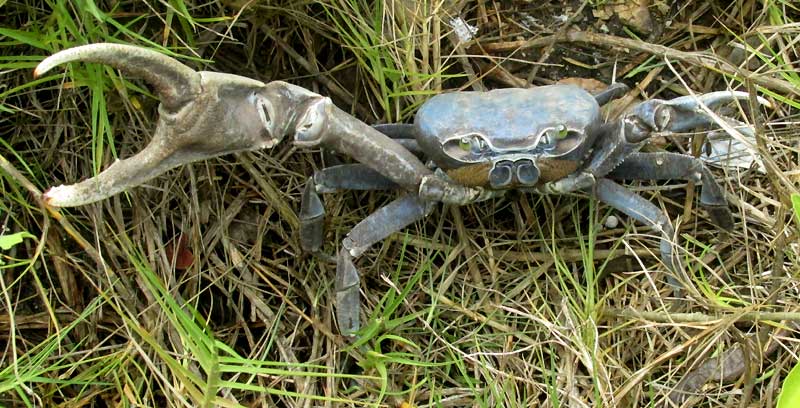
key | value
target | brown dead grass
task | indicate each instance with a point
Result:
(507, 311)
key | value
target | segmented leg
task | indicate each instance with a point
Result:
(354, 176)
(388, 219)
(336, 178)
(396, 130)
(666, 166)
(403, 133)
(642, 210)
(312, 218)
(614, 91)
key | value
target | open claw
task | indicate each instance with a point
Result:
(680, 114)
(202, 115)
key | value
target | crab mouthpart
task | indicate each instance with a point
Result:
(527, 173)
(507, 173)
(501, 175)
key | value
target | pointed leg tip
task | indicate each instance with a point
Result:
(348, 312)
(721, 217)
(349, 333)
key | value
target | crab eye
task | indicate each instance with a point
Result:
(551, 137)
(472, 143)
(478, 145)
(465, 144)
(562, 132)
(470, 147)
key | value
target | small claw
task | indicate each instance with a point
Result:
(712, 100)
(684, 113)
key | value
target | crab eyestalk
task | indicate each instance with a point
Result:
(202, 115)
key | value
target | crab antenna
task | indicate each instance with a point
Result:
(174, 82)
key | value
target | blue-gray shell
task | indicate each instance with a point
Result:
(507, 117)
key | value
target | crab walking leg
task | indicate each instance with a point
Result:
(644, 211)
(402, 133)
(666, 166)
(614, 91)
(396, 130)
(331, 179)
(355, 176)
(312, 218)
(388, 219)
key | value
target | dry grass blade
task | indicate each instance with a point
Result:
(193, 289)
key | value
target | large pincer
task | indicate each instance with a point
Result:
(202, 115)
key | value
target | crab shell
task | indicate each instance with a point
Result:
(511, 125)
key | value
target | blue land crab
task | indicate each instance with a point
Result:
(463, 147)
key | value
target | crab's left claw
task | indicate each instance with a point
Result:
(680, 114)
(202, 115)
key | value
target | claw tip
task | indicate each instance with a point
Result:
(57, 196)
(47, 198)
(43, 67)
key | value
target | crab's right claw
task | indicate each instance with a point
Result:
(202, 115)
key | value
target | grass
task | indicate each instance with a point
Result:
(520, 301)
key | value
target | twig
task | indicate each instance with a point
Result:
(53, 213)
(703, 59)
